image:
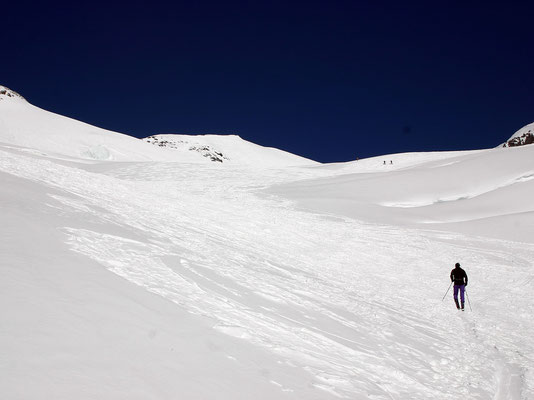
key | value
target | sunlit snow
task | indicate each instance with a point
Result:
(135, 272)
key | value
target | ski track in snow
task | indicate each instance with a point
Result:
(357, 305)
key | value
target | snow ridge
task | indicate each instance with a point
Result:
(178, 144)
(227, 149)
(38, 130)
(6, 93)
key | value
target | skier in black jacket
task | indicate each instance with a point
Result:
(459, 277)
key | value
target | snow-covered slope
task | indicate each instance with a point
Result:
(6, 93)
(230, 295)
(523, 136)
(165, 280)
(23, 124)
(228, 149)
(486, 192)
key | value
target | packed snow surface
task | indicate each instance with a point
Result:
(164, 280)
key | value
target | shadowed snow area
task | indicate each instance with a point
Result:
(165, 280)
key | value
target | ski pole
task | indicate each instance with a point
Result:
(447, 292)
(468, 301)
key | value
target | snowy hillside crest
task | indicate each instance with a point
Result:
(6, 93)
(227, 149)
(25, 125)
(205, 150)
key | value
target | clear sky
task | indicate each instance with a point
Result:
(329, 80)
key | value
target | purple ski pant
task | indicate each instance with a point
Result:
(460, 288)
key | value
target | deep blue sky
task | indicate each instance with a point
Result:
(330, 80)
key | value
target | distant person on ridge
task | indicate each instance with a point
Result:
(459, 277)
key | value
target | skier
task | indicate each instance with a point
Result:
(459, 277)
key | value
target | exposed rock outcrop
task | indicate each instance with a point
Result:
(523, 136)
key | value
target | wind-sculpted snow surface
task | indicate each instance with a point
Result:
(231, 294)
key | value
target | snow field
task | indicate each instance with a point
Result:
(483, 192)
(338, 308)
